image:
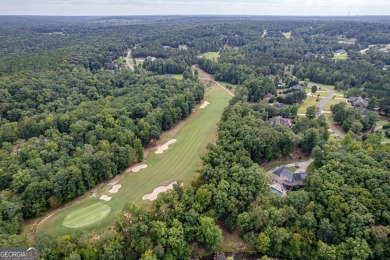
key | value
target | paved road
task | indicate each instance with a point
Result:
(302, 166)
(127, 60)
(321, 106)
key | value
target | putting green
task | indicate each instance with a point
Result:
(86, 216)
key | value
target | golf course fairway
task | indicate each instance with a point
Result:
(179, 162)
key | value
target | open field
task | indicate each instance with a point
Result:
(346, 40)
(210, 55)
(308, 102)
(183, 47)
(287, 35)
(179, 162)
(334, 102)
(343, 56)
(382, 121)
(178, 76)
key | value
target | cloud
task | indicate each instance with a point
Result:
(155, 7)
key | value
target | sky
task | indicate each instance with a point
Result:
(190, 7)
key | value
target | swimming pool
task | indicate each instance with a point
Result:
(276, 191)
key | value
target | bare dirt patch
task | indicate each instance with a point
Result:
(152, 196)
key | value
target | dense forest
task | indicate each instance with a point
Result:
(73, 116)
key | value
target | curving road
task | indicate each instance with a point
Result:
(321, 106)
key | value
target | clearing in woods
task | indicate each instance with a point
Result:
(179, 162)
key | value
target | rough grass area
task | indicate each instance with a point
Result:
(179, 162)
(87, 215)
(343, 56)
(211, 55)
(178, 76)
(346, 40)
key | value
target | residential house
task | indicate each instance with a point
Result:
(288, 178)
(150, 58)
(278, 120)
(358, 102)
(340, 51)
(298, 87)
(278, 105)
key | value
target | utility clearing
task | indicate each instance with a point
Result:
(180, 163)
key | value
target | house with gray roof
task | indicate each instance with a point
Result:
(358, 102)
(278, 120)
(288, 178)
(298, 87)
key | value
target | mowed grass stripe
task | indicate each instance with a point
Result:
(179, 162)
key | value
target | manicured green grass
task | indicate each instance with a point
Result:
(292, 168)
(343, 56)
(211, 55)
(334, 102)
(322, 93)
(179, 162)
(270, 166)
(87, 215)
(308, 102)
(287, 35)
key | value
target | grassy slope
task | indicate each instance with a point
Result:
(179, 162)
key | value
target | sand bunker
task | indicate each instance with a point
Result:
(139, 167)
(152, 196)
(115, 188)
(205, 104)
(164, 147)
(105, 198)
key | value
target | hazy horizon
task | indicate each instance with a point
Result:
(195, 7)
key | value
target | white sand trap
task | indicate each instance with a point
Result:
(139, 167)
(164, 147)
(115, 188)
(93, 195)
(205, 104)
(105, 198)
(152, 196)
